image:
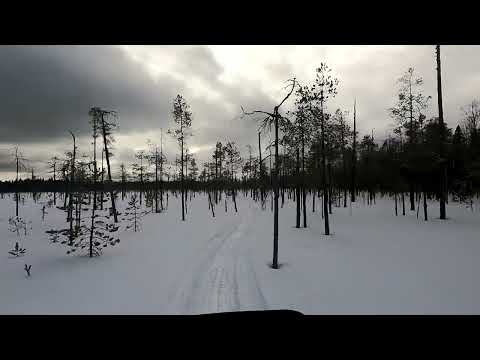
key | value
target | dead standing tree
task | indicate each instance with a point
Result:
(275, 118)
(20, 166)
(107, 128)
(53, 165)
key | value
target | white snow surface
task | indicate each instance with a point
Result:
(373, 263)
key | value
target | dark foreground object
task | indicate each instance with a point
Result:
(253, 314)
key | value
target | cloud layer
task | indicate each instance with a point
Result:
(48, 90)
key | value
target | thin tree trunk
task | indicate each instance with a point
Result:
(260, 169)
(183, 198)
(107, 157)
(443, 213)
(396, 207)
(354, 153)
(324, 179)
(329, 187)
(275, 185)
(304, 195)
(70, 205)
(425, 205)
(298, 189)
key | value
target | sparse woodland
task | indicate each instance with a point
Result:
(316, 152)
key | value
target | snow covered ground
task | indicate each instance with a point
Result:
(374, 263)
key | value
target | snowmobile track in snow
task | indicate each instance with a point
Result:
(223, 280)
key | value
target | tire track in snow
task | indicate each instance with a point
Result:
(191, 281)
(224, 280)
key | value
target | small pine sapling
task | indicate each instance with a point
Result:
(86, 237)
(133, 214)
(17, 251)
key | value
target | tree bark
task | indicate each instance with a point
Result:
(354, 153)
(443, 213)
(275, 185)
(324, 178)
(298, 189)
(107, 157)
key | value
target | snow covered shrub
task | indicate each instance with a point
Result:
(17, 251)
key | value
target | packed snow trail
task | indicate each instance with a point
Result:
(223, 279)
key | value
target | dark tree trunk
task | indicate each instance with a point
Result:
(70, 203)
(156, 181)
(275, 187)
(182, 184)
(54, 181)
(16, 194)
(324, 178)
(443, 213)
(425, 205)
(412, 196)
(92, 226)
(107, 157)
(298, 189)
(211, 204)
(313, 200)
(260, 176)
(330, 187)
(304, 194)
(354, 153)
(396, 207)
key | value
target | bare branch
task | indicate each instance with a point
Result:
(255, 112)
(293, 83)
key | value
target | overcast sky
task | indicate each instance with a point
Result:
(47, 90)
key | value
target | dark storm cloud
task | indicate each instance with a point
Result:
(46, 90)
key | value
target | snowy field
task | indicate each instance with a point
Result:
(374, 263)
